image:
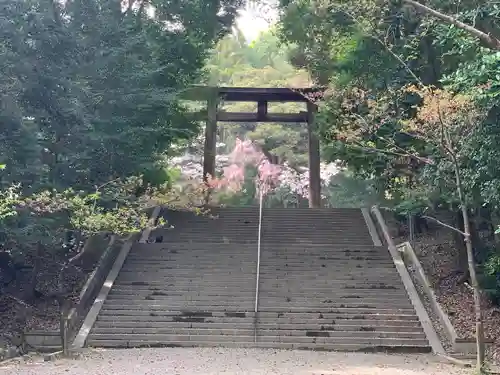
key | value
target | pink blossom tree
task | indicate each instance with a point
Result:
(246, 154)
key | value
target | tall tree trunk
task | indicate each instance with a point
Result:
(30, 291)
(462, 260)
(472, 268)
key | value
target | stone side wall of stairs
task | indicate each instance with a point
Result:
(323, 285)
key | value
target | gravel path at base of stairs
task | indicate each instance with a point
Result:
(212, 361)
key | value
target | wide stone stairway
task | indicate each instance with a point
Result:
(322, 285)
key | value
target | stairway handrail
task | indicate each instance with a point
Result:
(410, 288)
(257, 277)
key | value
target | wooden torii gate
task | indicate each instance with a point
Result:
(262, 96)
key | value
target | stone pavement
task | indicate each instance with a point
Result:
(212, 361)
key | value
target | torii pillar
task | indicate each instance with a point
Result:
(210, 149)
(314, 159)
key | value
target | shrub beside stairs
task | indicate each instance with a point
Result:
(323, 285)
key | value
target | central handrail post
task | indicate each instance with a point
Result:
(257, 277)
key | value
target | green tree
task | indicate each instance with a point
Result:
(92, 81)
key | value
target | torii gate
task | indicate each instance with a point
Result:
(262, 96)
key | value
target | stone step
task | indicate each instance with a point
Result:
(344, 347)
(326, 324)
(264, 300)
(270, 230)
(307, 268)
(321, 254)
(316, 211)
(298, 321)
(270, 226)
(332, 221)
(264, 293)
(351, 311)
(336, 237)
(289, 281)
(107, 322)
(332, 285)
(231, 249)
(203, 245)
(216, 267)
(266, 261)
(182, 265)
(304, 260)
(243, 223)
(214, 249)
(249, 284)
(315, 218)
(238, 312)
(271, 259)
(249, 294)
(169, 338)
(220, 269)
(261, 332)
(285, 287)
(329, 273)
(302, 240)
(275, 210)
(265, 264)
(250, 217)
(228, 306)
(240, 240)
(120, 293)
(269, 276)
(323, 270)
(143, 291)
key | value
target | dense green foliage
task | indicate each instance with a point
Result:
(88, 90)
(88, 104)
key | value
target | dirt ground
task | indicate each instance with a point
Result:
(44, 312)
(437, 254)
(212, 361)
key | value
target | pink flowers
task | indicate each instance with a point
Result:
(268, 175)
(247, 154)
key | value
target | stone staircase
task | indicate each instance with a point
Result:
(323, 285)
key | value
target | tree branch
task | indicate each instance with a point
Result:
(18, 300)
(400, 151)
(362, 147)
(445, 225)
(491, 41)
